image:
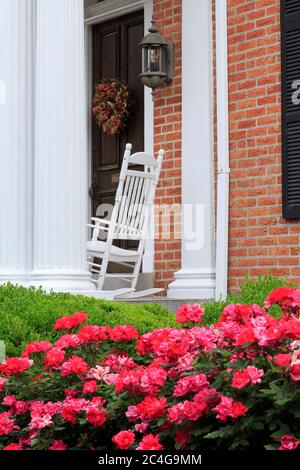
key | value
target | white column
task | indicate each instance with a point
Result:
(196, 279)
(61, 159)
(16, 141)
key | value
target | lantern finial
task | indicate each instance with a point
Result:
(153, 28)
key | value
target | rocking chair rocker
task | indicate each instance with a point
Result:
(130, 220)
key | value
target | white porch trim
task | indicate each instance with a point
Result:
(110, 9)
(99, 13)
(196, 279)
(223, 151)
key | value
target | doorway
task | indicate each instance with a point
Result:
(116, 54)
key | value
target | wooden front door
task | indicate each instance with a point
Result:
(116, 54)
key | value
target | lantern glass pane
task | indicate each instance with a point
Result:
(164, 56)
(145, 59)
(155, 59)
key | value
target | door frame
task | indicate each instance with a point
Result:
(99, 13)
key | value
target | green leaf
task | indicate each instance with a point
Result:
(271, 446)
(201, 431)
(212, 435)
(239, 443)
(259, 425)
(284, 429)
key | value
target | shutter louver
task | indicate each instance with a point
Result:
(290, 45)
(291, 6)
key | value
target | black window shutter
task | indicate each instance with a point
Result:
(290, 47)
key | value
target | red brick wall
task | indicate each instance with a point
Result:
(260, 240)
(167, 135)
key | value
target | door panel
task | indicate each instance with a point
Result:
(116, 54)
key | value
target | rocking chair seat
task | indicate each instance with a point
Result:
(97, 249)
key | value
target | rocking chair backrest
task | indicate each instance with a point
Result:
(135, 196)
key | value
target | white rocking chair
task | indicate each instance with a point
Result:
(130, 220)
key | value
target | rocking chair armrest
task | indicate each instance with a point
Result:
(102, 221)
(98, 227)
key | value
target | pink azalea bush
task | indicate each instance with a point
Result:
(231, 385)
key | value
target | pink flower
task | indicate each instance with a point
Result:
(69, 322)
(21, 407)
(89, 333)
(71, 407)
(90, 386)
(238, 409)
(122, 333)
(185, 362)
(151, 408)
(141, 380)
(142, 428)
(150, 442)
(237, 314)
(193, 313)
(58, 445)
(71, 393)
(2, 383)
(75, 365)
(254, 374)
(119, 363)
(9, 400)
(15, 365)
(36, 347)
(192, 411)
(99, 373)
(192, 383)
(68, 341)
(6, 423)
(54, 357)
(283, 360)
(295, 372)
(228, 408)
(240, 379)
(288, 442)
(41, 422)
(267, 330)
(156, 375)
(124, 439)
(132, 413)
(249, 375)
(278, 295)
(13, 446)
(176, 413)
(95, 415)
(17, 407)
(223, 410)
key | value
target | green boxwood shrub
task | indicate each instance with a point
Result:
(29, 314)
(252, 291)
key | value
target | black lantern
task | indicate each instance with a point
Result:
(157, 59)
